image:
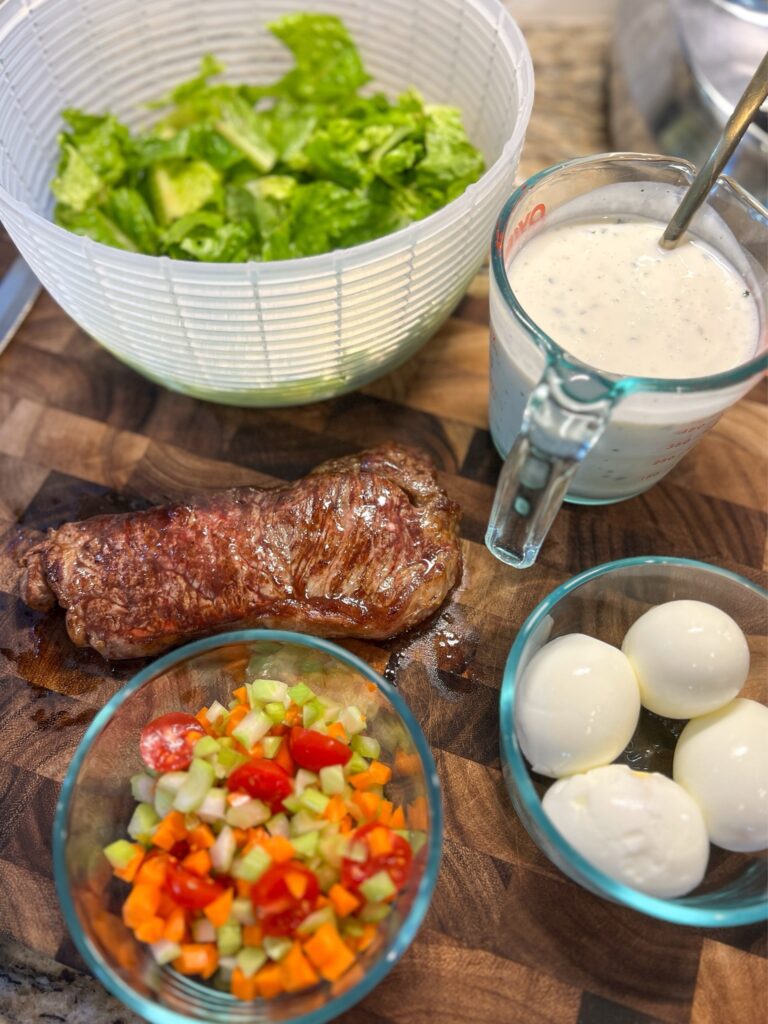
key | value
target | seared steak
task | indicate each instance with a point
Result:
(364, 546)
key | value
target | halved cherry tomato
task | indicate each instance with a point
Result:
(396, 863)
(279, 911)
(190, 890)
(163, 744)
(263, 780)
(312, 750)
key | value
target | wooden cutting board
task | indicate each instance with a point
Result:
(508, 938)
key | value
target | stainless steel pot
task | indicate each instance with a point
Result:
(678, 68)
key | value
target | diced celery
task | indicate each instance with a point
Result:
(303, 822)
(251, 959)
(313, 921)
(242, 910)
(253, 727)
(378, 887)
(215, 711)
(278, 825)
(331, 713)
(164, 951)
(253, 865)
(312, 712)
(120, 853)
(291, 803)
(229, 758)
(203, 930)
(355, 764)
(270, 745)
(200, 779)
(248, 814)
(143, 788)
(304, 779)
(276, 946)
(319, 726)
(313, 800)
(353, 720)
(305, 845)
(172, 782)
(417, 840)
(372, 913)
(143, 821)
(366, 746)
(205, 746)
(300, 694)
(223, 850)
(226, 741)
(264, 691)
(357, 851)
(276, 711)
(326, 876)
(214, 805)
(353, 928)
(229, 939)
(163, 801)
(333, 849)
(332, 779)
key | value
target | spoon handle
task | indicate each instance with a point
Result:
(749, 104)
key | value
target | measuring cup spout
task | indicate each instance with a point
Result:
(565, 415)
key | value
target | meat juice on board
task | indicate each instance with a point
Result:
(602, 288)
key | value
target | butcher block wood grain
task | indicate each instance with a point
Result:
(507, 938)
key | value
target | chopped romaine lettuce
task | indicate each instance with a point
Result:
(294, 168)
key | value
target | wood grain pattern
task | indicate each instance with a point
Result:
(507, 938)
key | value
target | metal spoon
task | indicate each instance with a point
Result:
(752, 98)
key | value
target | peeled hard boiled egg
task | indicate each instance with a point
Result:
(689, 657)
(577, 705)
(721, 759)
(640, 828)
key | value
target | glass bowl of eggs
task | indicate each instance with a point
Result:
(634, 725)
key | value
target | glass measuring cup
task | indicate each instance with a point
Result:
(566, 430)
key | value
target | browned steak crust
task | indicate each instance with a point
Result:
(364, 546)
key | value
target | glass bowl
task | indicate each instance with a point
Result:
(603, 602)
(95, 805)
(271, 333)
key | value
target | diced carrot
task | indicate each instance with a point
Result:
(218, 910)
(202, 717)
(338, 964)
(336, 808)
(337, 730)
(199, 863)
(197, 958)
(201, 838)
(170, 830)
(175, 925)
(296, 881)
(322, 901)
(380, 841)
(368, 804)
(407, 764)
(284, 759)
(151, 930)
(418, 817)
(345, 825)
(252, 934)
(235, 718)
(369, 934)
(241, 694)
(323, 945)
(292, 714)
(269, 981)
(241, 836)
(385, 812)
(397, 819)
(255, 837)
(129, 872)
(257, 750)
(279, 848)
(344, 902)
(242, 987)
(243, 887)
(153, 870)
(296, 971)
(362, 780)
(381, 772)
(141, 904)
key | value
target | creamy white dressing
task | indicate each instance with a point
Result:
(606, 292)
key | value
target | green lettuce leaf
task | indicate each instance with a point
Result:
(328, 65)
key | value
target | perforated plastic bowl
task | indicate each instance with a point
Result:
(255, 333)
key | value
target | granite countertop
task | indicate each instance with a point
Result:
(569, 119)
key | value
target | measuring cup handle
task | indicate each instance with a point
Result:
(557, 432)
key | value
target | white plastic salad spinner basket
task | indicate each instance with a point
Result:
(277, 333)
